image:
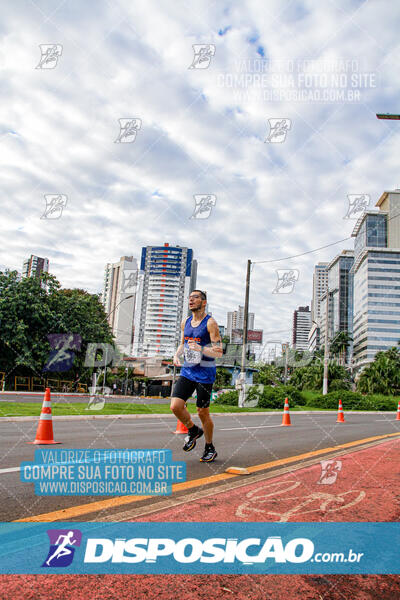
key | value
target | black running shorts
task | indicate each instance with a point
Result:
(185, 387)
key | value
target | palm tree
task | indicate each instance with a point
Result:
(339, 345)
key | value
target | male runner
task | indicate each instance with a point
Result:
(200, 343)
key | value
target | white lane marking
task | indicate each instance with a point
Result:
(10, 470)
(256, 427)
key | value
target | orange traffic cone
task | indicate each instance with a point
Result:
(398, 412)
(44, 433)
(286, 415)
(340, 415)
(181, 428)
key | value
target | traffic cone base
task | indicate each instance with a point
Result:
(47, 442)
(181, 428)
(44, 432)
(340, 416)
(286, 414)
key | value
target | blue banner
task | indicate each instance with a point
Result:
(103, 472)
(191, 548)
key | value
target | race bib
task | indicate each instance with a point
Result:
(192, 356)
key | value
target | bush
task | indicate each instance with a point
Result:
(270, 398)
(339, 384)
(353, 401)
(377, 402)
(331, 400)
(274, 397)
(294, 395)
(228, 398)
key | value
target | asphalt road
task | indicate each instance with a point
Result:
(241, 440)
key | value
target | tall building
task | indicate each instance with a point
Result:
(314, 337)
(301, 327)
(34, 266)
(320, 283)
(169, 275)
(119, 299)
(235, 320)
(376, 270)
(340, 290)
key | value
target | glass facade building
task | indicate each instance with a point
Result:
(340, 286)
(376, 271)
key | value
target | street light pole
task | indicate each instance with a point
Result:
(286, 362)
(242, 376)
(326, 348)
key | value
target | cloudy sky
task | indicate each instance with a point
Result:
(319, 70)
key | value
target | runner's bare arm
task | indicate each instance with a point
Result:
(215, 337)
(179, 350)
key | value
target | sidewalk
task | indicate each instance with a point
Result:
(359, 486)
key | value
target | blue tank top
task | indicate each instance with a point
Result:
(197, 366)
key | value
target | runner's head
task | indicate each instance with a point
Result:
(197, 301)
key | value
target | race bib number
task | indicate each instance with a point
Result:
(192, 356)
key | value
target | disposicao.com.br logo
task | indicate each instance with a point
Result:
(198, 553)
(191, 550)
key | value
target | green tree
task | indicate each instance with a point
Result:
(382, 376)
(267, 374)
(339, 345)
(223, 378)
(31, 309)
(311, 376)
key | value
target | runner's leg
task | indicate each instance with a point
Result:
(203, 409)
(208, 425)
(183, 389)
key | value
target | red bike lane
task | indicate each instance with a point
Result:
(361, 485)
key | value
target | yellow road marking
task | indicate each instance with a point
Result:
(66, 514)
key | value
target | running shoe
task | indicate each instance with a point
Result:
(190, 440)
(209, 454)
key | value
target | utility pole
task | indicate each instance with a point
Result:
(105, 369)
(242, 377)
(286, 361)
(126, 380)
(326, 347)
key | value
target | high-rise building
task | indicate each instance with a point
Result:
(169, 275)
(119, 298)
(340, 301)
(34, 266)
(376, 270)
(301, 327)
(235, 320)
(320, 283)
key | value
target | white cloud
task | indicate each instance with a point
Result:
(58, 130)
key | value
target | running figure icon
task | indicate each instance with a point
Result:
(62, 549)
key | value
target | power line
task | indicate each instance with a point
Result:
(257, 262)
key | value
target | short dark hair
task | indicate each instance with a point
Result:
(203, 294)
